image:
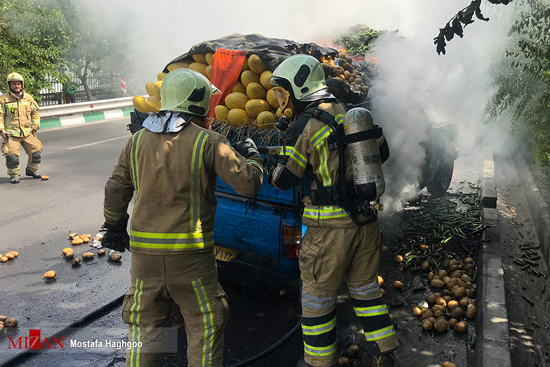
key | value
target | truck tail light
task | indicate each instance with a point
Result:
(291, 242)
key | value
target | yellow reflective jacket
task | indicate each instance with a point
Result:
(18, 117)
(309, 155)
(174, 179)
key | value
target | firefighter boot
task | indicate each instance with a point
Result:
(14, 180)
(33, 175)
(303, 363)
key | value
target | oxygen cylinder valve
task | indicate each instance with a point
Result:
(283, 124)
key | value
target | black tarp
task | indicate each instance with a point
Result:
(271, 50)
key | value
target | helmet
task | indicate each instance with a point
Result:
(14, 77)
(301, 75)
(187, 91)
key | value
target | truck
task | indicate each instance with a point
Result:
(264, 232)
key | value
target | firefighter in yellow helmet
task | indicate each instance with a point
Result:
(339, 243)
(19, 122)
(171, 165)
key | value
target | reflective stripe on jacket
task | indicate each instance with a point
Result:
(18, 117)
(307, 152)
(174, 179)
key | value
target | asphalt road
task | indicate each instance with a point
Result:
(37, 217)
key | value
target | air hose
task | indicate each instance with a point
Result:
(268, 351)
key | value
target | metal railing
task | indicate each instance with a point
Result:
(84, 107)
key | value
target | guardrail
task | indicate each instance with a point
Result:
(47, 112)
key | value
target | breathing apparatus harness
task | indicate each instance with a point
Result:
(344, 194)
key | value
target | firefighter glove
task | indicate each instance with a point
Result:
(116, 236)
(247, 148)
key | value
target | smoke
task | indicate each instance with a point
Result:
(415, 88)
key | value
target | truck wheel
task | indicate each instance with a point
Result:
(440, 184)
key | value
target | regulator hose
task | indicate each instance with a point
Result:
(268, 351)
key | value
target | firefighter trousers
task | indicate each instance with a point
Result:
(11, 150)
(327, 256)
(191, 281)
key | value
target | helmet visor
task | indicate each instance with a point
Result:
(282, 96)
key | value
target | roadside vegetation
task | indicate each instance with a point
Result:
(54, 38)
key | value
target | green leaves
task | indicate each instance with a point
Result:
(459, 21)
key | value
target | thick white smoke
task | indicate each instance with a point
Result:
(414, 82)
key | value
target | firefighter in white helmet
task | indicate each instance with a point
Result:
(341, 241)
(19, 122)
(171, 165)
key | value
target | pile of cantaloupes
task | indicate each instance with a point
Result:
(250, 100)
(151, 103)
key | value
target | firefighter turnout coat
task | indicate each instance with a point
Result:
(333, 246)
(18, 117)
(173, 176)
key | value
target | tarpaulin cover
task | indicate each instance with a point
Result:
(271, 50)
(226, 69)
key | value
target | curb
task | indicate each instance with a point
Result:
(492, 337)
(540, 211)
(82, 118)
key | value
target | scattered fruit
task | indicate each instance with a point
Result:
(76, 261)
(116, 257)
(380, 280)
(441, 325)
(397, 284)
(398, 258)
(3, 318)
(49, 274)
(68, 252)
(73, 235)
(417, 311)
(353, 351)
(100, 252)
(44, 177)
(88, 255)
(461, 327)
(471, 312)
(11, 322)
(343, 361)
(427, 324)
(449, 364)
(282, 292)
(4, 259)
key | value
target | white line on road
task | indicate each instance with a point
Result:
(98, 142)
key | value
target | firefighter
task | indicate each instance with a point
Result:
(334, 246)
(19, 122)
(171, 165)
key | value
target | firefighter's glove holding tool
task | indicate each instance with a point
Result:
(270, 163)
(116, 236)
(246, 147)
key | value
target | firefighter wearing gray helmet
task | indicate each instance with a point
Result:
(334, 246)
(19, 122)
(171, 165)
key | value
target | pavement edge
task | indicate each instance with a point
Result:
(492, 337)
(540, 211)
(81, 118)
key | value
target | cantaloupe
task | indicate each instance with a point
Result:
(160, 76)
(153, 104)
(245, 65)
(209, 72)
(265, 78)
(209, 58)
(179, 65)
(139, 104)
(271, 99)
(221, 112)
(266, 120)
(237, 116)
(255, 91)
(236, 100)
(256, 64)
(199, 58)
(199, 66)
(255, 106)
(239, 87)
(152, 89)
(248, 76)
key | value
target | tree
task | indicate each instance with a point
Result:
(92, 48)
(523, 79)
(460, 20)
(33, 38)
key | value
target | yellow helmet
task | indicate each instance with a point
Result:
(15, 77)
(301, 75)
(186, 90)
